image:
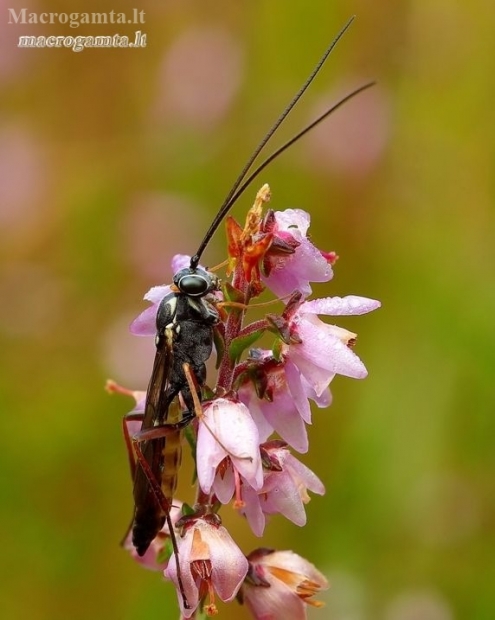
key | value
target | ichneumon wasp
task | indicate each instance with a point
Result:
(185, 323)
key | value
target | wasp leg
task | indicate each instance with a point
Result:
(131, 438)
(133, 442)
(198, 411)
(134, 454)
(155, 433)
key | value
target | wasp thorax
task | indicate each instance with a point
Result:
(195, 282)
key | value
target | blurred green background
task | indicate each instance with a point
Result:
(113, 160)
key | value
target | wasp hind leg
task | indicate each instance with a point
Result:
(136, 457)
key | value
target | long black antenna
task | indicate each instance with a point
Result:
(229, 200)
(295, 138)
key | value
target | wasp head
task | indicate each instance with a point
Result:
(195, 282)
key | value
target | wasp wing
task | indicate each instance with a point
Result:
(149, 514)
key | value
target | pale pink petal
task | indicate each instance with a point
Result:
(322, 400)
(157, 293)
(229, 565)
(149, 559)
(286, 420)
(297, 390)
(228, 429)
(224, 487)
(180, 261)
(341, 360)
(308, 477)
(285, 413)
(282, 496)
(190, 587)
(145, 323)
(295, 221)
(252, 511)
(294, 272)
(321, 347)
(209, 454)
(339, 306)
(318, 378)
(272, 603)
(248, 396)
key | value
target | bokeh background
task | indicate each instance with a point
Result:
(111, 161)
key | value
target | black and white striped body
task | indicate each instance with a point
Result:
(184, 335)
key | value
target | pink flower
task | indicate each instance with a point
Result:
(289, 272)
(280, 400)
(227, 429)
(276, 394)
(210, 562)
(285, 489)
(320, 351)
(180, 261)
(145, 323)
(280, 584)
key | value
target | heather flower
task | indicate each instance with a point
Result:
(145, 323)
(280, 584)
(284, 491)
(228, 430)
(320, 351)
(286, 272)
(180, 261)
(280, 400)
(210, 563)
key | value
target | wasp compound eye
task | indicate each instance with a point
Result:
(194, 283)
